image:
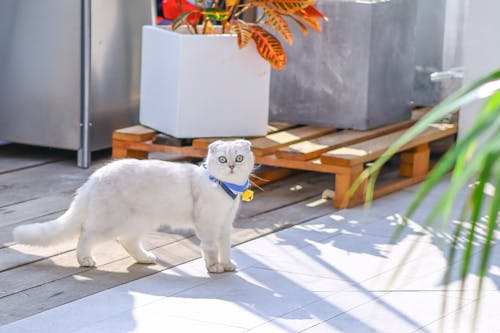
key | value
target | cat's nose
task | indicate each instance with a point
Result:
(231, 167)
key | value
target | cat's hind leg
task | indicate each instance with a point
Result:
(84, 250)
(134, 247)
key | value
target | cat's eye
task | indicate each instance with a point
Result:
(239, 158)
(222, 159)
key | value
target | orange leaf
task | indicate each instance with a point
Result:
(279, 24)
(285, 6)
(312, 11)
(313, 22)
(242, 31)
(302, 26)
(269, 47)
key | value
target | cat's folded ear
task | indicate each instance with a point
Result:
(214, 145)
(245, 143)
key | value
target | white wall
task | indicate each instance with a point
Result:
(453, 42)
(481, 50)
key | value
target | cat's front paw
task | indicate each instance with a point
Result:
(215, 268)
(229, 266)
(147, 258)
(86, 261)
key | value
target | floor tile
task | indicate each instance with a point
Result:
(393, 312)
(461, 321)
(249, 298)
(151, 321)
(317, 312)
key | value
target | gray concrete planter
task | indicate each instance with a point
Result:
(358, 73)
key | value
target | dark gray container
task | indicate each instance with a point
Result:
(357, 73)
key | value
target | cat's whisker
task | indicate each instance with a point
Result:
(259, 178)
(257, 186)
(257, 166)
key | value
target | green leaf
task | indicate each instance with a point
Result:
(216, 14)
(181, 19)
(476, 202)
(492, 220)
(451, 258)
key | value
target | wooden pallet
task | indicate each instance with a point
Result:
(321, 149)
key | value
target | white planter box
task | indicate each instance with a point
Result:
(202, 85)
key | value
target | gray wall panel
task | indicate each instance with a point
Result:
(116, 29)
(40, 72)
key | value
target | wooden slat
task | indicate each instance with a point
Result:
(151, 147)
(33, 183)
(310, 165)
(310, 149)
(267, 174)
(14, 157)
(29, 209)
(163, 139)
(385, 187)
(374, 148)
(273, 127)
(415, 162)
(6, 238)
(136, 133)
(272, 142)
(203, 143)
(277, 126)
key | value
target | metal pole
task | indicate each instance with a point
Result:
(84, 151)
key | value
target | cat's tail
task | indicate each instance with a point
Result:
(66, 226)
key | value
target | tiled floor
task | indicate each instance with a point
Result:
(330, 274)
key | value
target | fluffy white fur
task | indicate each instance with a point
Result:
(127, 198)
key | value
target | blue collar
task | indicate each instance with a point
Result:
(229, 188)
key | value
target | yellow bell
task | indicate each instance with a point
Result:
(247, 195)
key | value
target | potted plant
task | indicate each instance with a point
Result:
(201, 77)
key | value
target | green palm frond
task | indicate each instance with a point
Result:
(474, 159)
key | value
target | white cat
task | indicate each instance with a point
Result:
(127, 198)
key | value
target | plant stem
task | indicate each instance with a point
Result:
(243, 9)
(231, 11)
(260, 18)
(205, 22)
(179, 4)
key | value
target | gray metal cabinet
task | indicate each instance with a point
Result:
(70, 71)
